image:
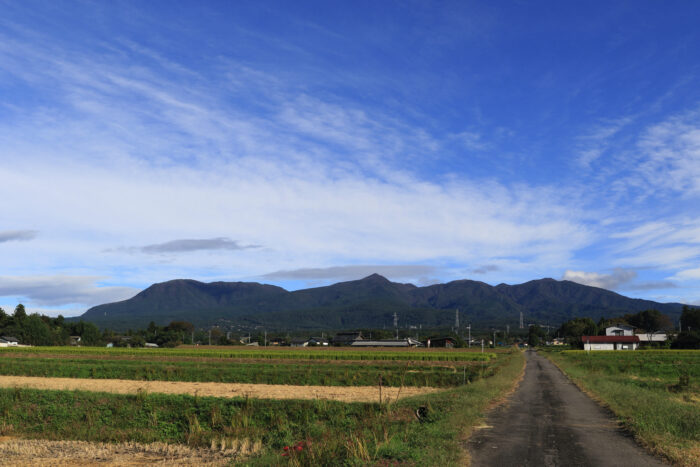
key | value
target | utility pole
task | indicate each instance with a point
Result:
(522, 326)
(265, 337)
(396, 325)
(469, 342)
(457, 320)
(210, 337)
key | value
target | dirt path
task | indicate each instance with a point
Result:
(548, 421)
(259, 391)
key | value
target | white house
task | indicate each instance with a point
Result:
(7, 341)
(610, 342)
(619, 330)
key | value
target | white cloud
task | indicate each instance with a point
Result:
(134, 156)
(62, 290)
(670, 154)
(599, 139)
(610, 281)
(687, 274)
(128, 155)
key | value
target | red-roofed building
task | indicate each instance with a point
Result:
(610, 342)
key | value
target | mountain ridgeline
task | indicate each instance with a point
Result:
(366, 303)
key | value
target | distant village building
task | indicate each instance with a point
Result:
(150, 345)
(610, 342)
(299, 343)
(652, 337)
(346, 338)
(625, 330)
(322, 341)
(8, 341)
(447, 342)
(75, 340)
(408, 342)
(619, 330)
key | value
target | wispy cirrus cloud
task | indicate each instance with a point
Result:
(599, 139)
(670, 153)
(134, 145)
(17, 235)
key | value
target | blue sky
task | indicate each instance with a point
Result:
(304, 143)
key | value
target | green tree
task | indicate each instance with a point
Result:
(573, 329)
(690, 319)
(90, 334)
(20, 312)
(534, 335)
(652, 321)
(689, 337)
(35, 331)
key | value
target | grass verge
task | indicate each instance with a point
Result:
(663, 416)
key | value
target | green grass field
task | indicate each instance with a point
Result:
(655, 393)
(455, 355)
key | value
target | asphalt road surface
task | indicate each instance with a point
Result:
(548, 421)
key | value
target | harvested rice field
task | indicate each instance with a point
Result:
(228, 390)
(233, 406)
(44, 453)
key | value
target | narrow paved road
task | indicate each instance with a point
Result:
(548, 421)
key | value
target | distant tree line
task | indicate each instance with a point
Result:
(35, 329)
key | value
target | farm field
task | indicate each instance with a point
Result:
(228, 390)
(310, 353)
(255, 371)
(655, 393)
(319, 430)
(45, 453)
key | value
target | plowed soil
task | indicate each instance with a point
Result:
(258, 391)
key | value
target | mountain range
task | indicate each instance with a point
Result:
(366, 303)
